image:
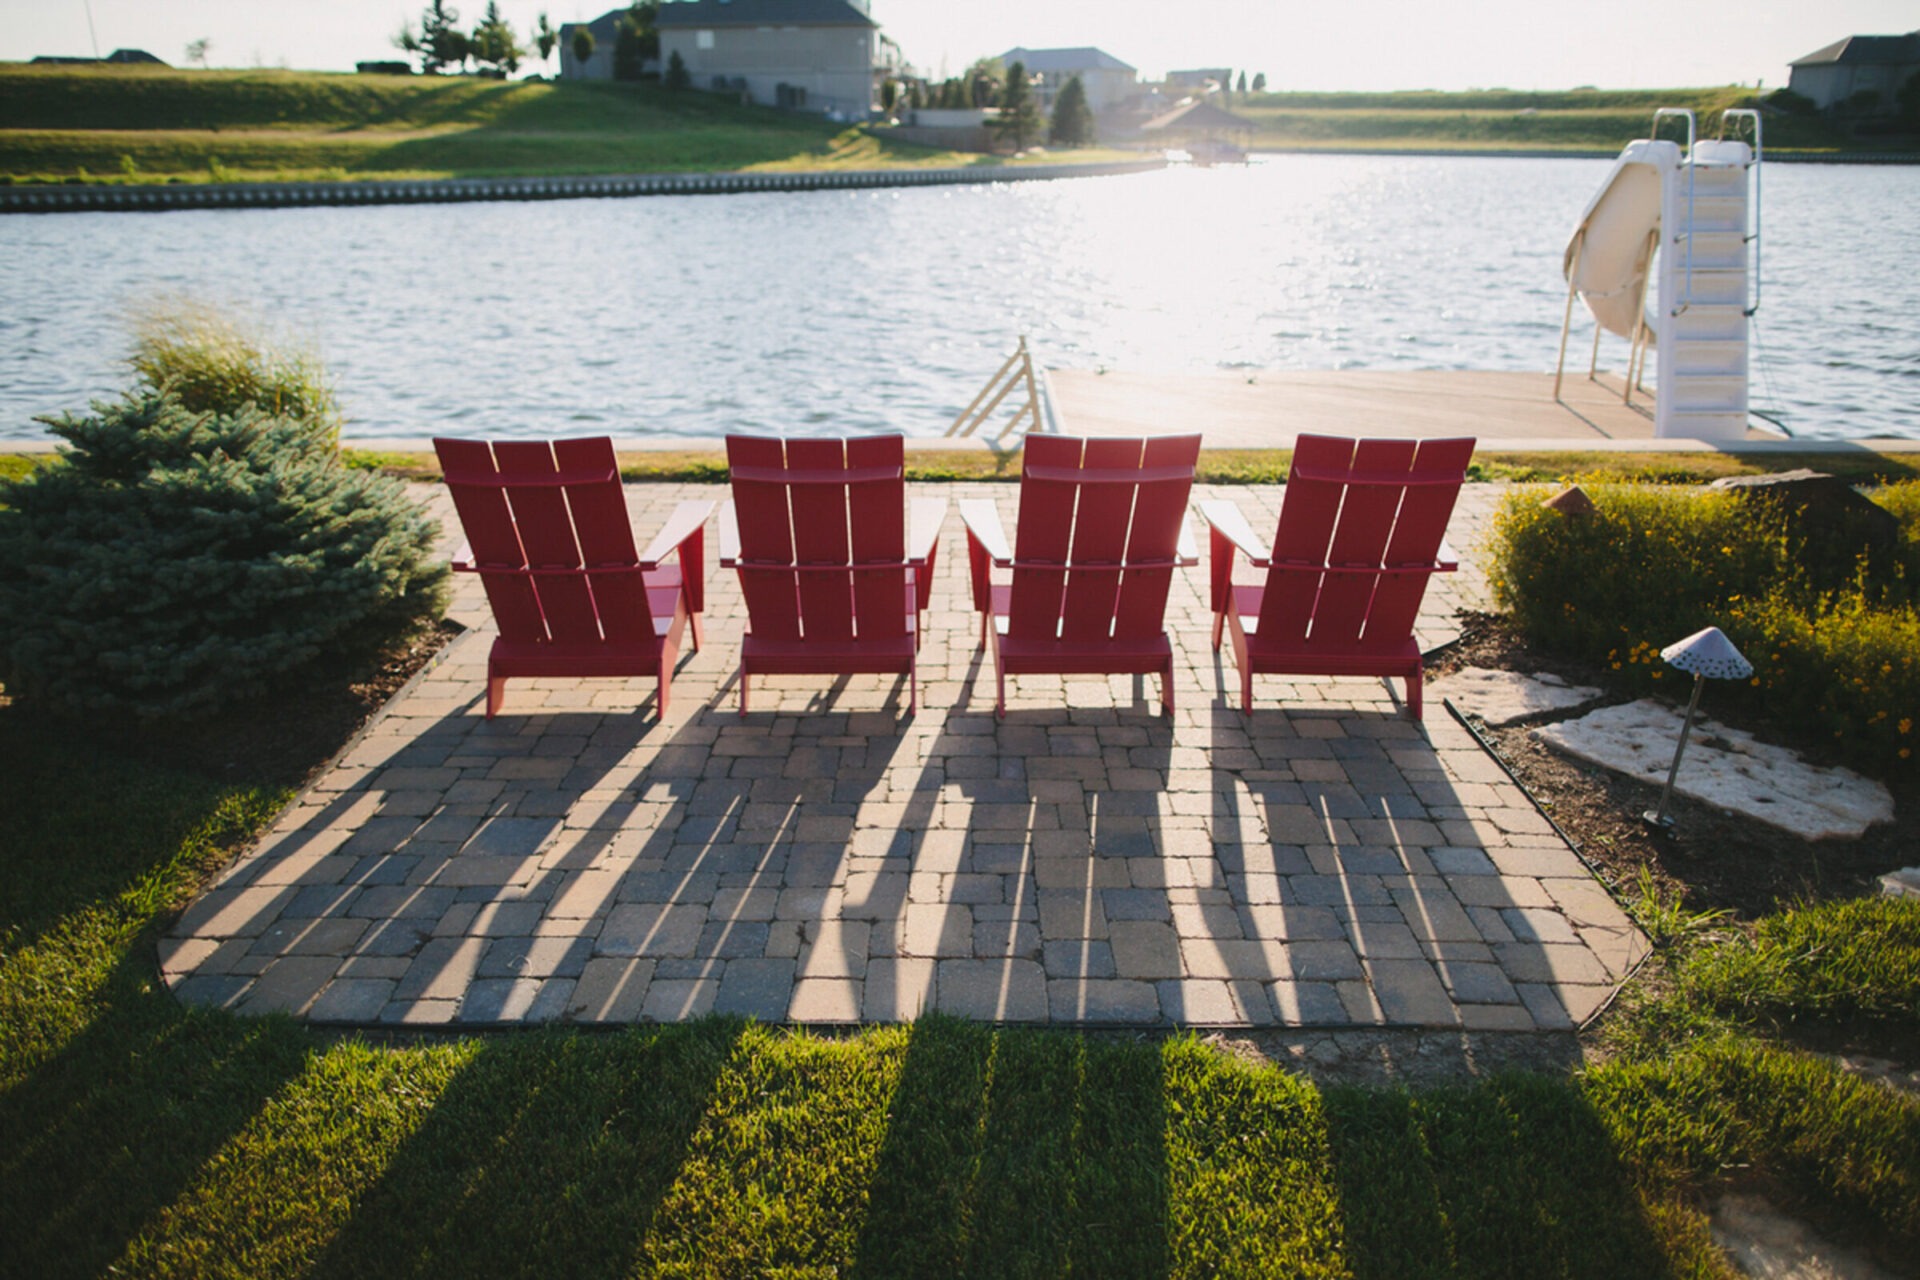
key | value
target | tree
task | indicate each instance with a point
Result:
(582, 46)
(635, 40)
(1909, 97)
(1259, 82)
(982, 83)
(439, 42)
(197, 51)
(1242, 89)
(494, 44)
(545, 38)
(1226, 87)
(1019, 117)
(1072, 118)
(677, 75)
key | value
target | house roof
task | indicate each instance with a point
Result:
(1855, 50)
(1082, 59)
(1198, 115)
(605, 28)
(762, 13)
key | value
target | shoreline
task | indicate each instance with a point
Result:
(162, 198)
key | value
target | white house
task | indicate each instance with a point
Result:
(1107, 80)
(813, 55)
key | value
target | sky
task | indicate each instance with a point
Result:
(1353, 44)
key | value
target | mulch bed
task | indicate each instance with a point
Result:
(1722, 861)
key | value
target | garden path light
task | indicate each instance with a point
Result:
(1706, 654)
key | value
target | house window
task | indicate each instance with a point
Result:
(703, 39)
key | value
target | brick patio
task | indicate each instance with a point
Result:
(828, 860)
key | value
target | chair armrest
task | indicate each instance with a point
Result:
(1224, 518)
(686, 520)
(1186, 550)
(463, 559)
(1446, 559)
(982, 518)
(729, 536)
(924, 517)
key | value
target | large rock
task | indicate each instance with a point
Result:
(1826, 509)
(1725, 768)
(1502, 698)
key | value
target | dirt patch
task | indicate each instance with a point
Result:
(1719, 861)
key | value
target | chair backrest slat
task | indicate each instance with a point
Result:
(1157, 515)
(765, 521)
(1043, 536)
(605, 535)
(1417, 534)
(1360, 537)
(877, 520)
(546, 533)
(487, 521)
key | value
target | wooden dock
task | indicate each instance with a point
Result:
(1267, 409)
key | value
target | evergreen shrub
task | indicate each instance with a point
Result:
(175, 561)
(1835, 646)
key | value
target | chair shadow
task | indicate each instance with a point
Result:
(151, 1093)
(549, 1150)
(1018, 1152)
(1511, 1176)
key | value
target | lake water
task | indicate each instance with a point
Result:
(843, 311)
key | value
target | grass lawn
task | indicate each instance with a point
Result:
(166, 125)
(140, 1137)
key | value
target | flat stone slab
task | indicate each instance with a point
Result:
(828, 859)
(1502, 698)
(1726, 768)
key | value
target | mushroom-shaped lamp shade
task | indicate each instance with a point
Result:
(1708, 653)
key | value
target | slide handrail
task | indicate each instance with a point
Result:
(1752, 117)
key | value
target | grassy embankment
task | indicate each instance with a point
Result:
(1504, 120)
(163, 125)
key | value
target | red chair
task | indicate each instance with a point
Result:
(1362, 528)
(548, 534)
(835, 574)
(1101, 528)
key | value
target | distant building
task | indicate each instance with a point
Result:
(121, 56)
(1107, 80)
(605, 29)
(1857, 65)
(811, 55)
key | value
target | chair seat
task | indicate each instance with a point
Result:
(1083, 657)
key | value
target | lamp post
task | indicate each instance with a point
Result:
(1706, 654)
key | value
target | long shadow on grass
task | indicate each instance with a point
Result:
(115, 1126)
(1020, 1153)
(548, 1155)
(1513, 1177)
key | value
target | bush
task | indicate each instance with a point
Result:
(214, 366)
(174, 561)
(1835, 646)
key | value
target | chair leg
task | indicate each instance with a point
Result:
(743, 691)
(665, 676)
(1000, 688)
(1415, 679)
(1166, 689)
(913, 689)
(1219, 624)
(496, 695)
(693, 625)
